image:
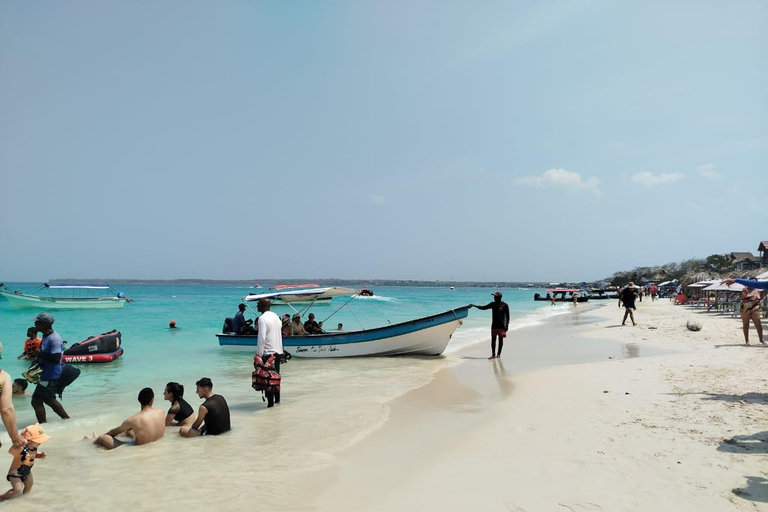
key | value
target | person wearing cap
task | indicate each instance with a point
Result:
(49, 358)
(297, 328)
(627, 299)
(172, 324)
(499, 322)
(20, 472)
(311, 325)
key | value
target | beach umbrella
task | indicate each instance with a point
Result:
(704, 284)
(697, 277)
(719, 287)
(762, 277)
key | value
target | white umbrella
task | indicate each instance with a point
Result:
(718, 287)
(703, 284)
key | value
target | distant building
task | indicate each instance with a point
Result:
(763, 250)
(744, 260)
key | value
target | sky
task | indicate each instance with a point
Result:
(431, 140)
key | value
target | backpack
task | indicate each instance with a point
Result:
(68, 375)
(228, 325)
(264, 378)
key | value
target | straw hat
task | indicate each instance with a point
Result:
(631, 285)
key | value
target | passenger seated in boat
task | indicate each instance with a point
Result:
(239, 324)
(286, 329)
(297, 328)
(311, 326)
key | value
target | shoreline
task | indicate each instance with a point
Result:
(679, 428)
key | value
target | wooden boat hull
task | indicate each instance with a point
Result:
(22, 301)
(425, 336)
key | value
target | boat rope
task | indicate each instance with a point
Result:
(350, 310)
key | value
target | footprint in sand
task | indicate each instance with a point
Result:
(579, 507)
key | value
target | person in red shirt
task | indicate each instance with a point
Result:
(31, 344)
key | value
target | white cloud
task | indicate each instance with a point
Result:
(648, 179)
(377, 199)
(563, 179)
(708, 171)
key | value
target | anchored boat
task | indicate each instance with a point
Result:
(426, 336)
(68, 296)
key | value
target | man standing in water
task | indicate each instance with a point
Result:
(49, 357)
(499, 322)
(270, 341)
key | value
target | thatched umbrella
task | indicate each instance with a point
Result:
(661, 275)
(695, 277)
(750, 274)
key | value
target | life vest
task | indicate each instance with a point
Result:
(264, 378)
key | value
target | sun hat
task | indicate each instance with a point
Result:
(35, 433)
(296, 315)
(496, 294)
(45, 318)
(631, 285)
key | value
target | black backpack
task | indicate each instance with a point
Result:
(68, 375)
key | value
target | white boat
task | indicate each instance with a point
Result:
(302, 296)
(426, 336)
(67, 296)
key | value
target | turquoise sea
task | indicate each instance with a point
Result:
(327, 404)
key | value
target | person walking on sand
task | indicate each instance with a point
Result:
(49, 357)
(499, 322)
(627, 299)
(750, 306)
(146, 426)
(270, 342)
(212, 416)
(20, 472)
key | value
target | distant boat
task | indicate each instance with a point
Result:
(256, 285)
(559, 295)
(68, 296)
(297, 294)
(452, 288)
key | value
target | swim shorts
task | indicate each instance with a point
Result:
(501, 333)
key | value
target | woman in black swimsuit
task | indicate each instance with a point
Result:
(181, 413)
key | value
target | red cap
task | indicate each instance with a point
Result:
(497, 294)
(172, 322)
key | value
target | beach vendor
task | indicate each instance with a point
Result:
(7, 411)
(20, 473)
(213, 414)
(270, 341)
(627, 299)
(146, 426)
(750, 305)
(31, 344)
(49, 357)
(499, 322)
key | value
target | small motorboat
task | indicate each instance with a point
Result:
(103, 348)
(365, 292)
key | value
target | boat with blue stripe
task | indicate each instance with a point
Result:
(426, 336)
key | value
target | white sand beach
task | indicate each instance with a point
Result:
(684, 430)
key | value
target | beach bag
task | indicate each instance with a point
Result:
(264, 378)
(33, 373)
(68, 375)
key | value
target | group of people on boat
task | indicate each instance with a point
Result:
(290, 325)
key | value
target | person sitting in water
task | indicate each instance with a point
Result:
(239, 324)
(297, 328)
(147, 426)
(311, 326)
(180, 412)
(31, 344)
(286, 329)
(172, 324)
(20, 387)
(213, 415)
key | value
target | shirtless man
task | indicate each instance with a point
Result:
(146, 426)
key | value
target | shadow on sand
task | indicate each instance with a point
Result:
(756, 489)
(755, 443)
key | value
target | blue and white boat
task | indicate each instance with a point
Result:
(426, 336)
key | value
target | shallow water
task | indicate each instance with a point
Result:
(327, 404)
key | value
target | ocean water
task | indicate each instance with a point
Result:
(327, 404)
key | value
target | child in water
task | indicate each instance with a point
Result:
(20, 473)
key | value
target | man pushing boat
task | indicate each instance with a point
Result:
(499, 322)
